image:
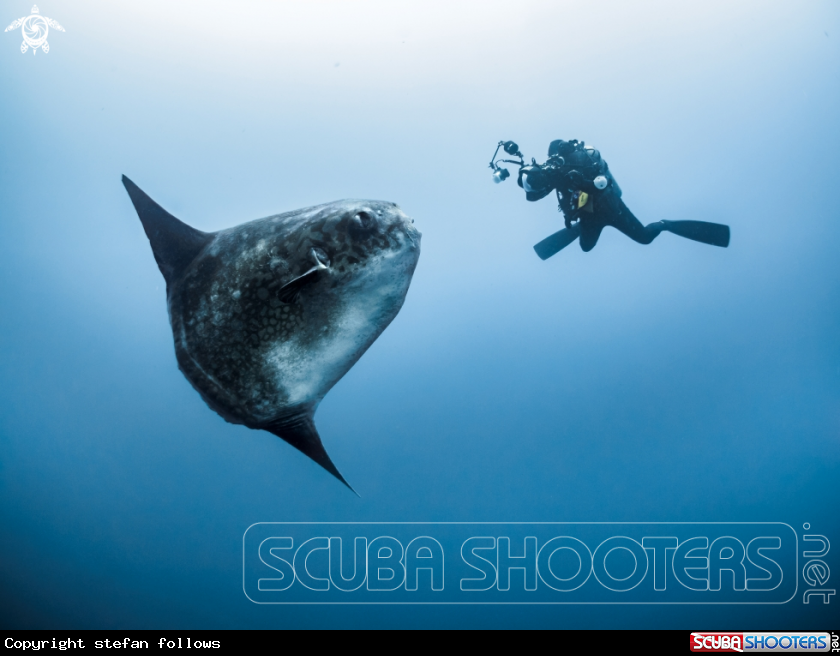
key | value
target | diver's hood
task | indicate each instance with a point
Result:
(562, 148)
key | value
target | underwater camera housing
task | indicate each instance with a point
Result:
(500, 173)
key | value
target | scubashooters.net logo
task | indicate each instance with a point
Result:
(544, 563)
(761, 642)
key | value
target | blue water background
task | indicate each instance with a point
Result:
(670, 382)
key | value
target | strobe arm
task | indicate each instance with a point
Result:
(510, 147)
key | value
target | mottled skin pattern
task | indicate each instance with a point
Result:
(257, 359)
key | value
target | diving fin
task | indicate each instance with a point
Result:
(555, 243)
(174, 243)
(299, 431)
(715, 234)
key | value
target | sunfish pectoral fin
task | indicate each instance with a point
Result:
(299, 431)
(174, 243)
(288, 292)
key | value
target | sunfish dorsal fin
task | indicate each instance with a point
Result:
(299, 431)
(174, 243)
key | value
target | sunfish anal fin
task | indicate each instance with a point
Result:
(299, 431)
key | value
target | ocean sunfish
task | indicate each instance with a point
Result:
(269, 315)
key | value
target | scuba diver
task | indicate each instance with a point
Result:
(590, 199)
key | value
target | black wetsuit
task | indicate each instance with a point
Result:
(572, 169)
(607, 209)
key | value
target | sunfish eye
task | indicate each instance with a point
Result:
(362, 224)
(365, 220)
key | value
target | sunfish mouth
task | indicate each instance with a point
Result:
(413, 235)
(409, 229)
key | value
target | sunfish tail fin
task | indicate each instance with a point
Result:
(174, 243)
(300, 432)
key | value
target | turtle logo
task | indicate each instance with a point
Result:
(35, 29)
